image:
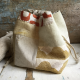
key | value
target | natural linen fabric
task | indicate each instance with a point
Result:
(6, 45)
(38, 41)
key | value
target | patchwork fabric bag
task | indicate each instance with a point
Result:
(41, 41)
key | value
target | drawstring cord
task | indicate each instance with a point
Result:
(75, 57)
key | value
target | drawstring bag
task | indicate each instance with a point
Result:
(5, 45)
(41, 41)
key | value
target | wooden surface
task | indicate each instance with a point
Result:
(71, 72)
(9, 11)
(11, 72)
(29, 74)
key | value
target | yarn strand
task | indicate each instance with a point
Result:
(75, 57)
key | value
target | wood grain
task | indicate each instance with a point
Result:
(29, 74)
(11, 72)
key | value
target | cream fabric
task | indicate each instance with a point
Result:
(25, 51)
(61, 25)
